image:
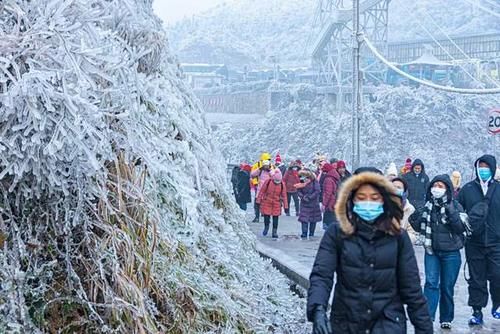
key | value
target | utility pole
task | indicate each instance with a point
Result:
(356, 85)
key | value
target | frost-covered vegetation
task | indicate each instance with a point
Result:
(114, 214)
(447, 131)
(251, 32)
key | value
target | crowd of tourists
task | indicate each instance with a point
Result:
(373, 224)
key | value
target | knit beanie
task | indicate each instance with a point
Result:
(327, 167)
(340, 164)
(278, 159)
(408, 164)
(392, 169)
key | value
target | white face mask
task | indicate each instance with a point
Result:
(438, 192)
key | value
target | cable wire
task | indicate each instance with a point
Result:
(495, 82)
(486, 9)
(441, 46)
(384, 60)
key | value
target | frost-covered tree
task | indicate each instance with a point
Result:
(114, 214)
(447, 131)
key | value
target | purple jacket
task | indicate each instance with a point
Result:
(310, 212)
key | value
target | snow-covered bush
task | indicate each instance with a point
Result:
(114, 216)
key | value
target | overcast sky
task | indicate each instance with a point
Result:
(171, 11)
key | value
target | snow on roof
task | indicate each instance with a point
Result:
(428, 59)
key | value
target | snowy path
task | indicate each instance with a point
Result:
(299, 255)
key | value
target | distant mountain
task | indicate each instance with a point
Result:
(252, 32)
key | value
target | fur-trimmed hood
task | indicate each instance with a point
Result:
(344, 212)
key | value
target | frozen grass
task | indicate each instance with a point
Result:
(114, 214)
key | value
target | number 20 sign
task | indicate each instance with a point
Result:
(494, 121)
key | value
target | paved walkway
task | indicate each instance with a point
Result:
(298, 255)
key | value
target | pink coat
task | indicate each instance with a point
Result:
(263, 176)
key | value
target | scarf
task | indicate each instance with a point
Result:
(425, 224)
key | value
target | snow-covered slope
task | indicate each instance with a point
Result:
(447, 131)
(114, 214)
(250, 32)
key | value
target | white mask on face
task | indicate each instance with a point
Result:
(438, 192)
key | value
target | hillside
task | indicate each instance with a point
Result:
(114, 213)
(447, 131)
(250, 32)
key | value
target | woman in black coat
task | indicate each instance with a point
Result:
(373, 257)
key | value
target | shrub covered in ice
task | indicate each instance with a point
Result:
(114, 213)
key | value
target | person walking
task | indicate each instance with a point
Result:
(481, 201)
(272, 199)
(373, 258)
(244, 195)
(260, 174)
(440, 223)
(343, 172)
(332, 179)
(408, 208)
(456, 180)
(418, 182)
(279, 164)
(234, 181)
(310, 211)
(290, 179)
(407, 167)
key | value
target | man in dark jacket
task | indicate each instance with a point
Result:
(418, 182)
(481, 200)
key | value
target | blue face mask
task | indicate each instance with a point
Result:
(368, 211)
(484, 173)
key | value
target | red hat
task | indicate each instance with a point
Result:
(246, 167)
(340, 164)
(408, 163)
(278, 159)
(327, 167)
(298, 162)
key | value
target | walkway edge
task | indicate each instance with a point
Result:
(287, 265)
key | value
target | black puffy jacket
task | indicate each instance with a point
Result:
(243, 187)
(417, 185)
(445, 237)
(377, 274)
(484, 217)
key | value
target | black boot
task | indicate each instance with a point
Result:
(304, 231)
(312, 228)
(275, 230)
(266, 229)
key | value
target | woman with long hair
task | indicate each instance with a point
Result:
(373, 258)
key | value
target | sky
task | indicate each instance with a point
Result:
(171, 11)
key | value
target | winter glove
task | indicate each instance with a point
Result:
(321, 324)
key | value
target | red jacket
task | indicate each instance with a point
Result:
(330, 189)
(290, 179)
(270, 198)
